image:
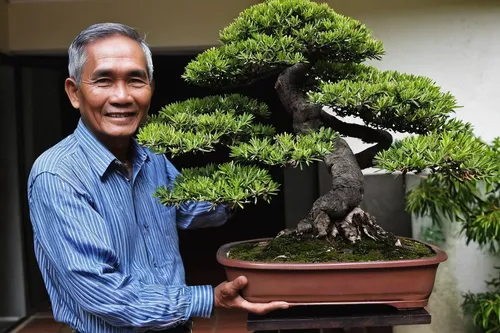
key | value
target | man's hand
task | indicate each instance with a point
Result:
(227, 296)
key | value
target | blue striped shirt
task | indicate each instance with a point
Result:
(107, 249)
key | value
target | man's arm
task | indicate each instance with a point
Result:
(193, 215)
(197, 215)
(71, 237)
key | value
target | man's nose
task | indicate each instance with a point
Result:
(121, 94)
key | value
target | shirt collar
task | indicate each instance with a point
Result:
(101, 158)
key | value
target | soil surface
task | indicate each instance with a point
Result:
(291, 249)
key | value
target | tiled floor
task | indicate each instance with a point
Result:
(225, 321)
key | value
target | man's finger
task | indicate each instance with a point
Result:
(237, 284)
(263, 308)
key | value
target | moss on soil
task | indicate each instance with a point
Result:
(293, 250)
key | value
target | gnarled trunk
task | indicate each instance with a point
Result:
(337, 213)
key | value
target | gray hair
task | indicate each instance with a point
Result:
(78, 55)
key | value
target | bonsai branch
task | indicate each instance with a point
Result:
(307, 116)
(365, 133)
(288, 86)
(258, 75)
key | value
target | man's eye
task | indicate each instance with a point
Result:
(137, 82)
(103, 82)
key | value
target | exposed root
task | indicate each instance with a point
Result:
(358, 223)
(355, 226)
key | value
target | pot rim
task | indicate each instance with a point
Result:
(222, 258)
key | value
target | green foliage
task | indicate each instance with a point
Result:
(432, 197)
(200, 124)
(205, 124)
(443, 198)
(476, 205)
(230, 183)
(287, 149)
(496, 146)
(238, 63)
(456, 155)
(485, 307)
(317, 27)
(162, 138)
(272, 35)
(483, 222)
(472, 200)
(228, 103)
(383, 99)
(433, 234)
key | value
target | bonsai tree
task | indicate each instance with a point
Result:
(316, 57)
(476, 206)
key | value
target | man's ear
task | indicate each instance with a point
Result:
(152, 86)
(72, 91)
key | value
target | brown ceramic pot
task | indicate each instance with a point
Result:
(400, 283)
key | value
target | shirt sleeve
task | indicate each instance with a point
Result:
(64, 224)
(197, 214)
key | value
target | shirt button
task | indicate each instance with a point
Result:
(155, 265)
(146, 226)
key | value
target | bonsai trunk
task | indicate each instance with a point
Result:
(337, 213)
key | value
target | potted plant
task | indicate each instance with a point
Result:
(475, 207)
(337, 253)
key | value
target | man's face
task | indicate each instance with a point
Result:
(114, 93)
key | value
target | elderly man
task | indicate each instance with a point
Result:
(107, 250)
